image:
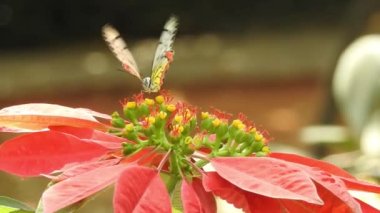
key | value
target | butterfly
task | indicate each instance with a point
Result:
(162, 58)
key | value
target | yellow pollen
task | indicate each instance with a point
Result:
(258, 137)
(115, 115)
(151, 120)
(178, 118)
(205, 115)
(216, 122)
(266, 149)
(162, 115)
(253, 130)
(131, 104)
(149, 102)
(160, 99)
(129, 127)
(236, 123)
(171, 107)
(188, 114)
(241, 126)
(180, 129)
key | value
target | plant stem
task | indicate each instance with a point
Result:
(174, 174)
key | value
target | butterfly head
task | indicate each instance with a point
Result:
(146, 82)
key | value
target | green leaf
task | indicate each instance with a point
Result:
(8, 205)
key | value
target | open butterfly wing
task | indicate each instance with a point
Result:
(164, 53)
(119, 47)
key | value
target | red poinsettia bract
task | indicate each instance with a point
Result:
(157, 144)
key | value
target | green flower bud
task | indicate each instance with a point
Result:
(117, 121)
(128, 148)
(221, 130)
(257, 146)
(223, 152)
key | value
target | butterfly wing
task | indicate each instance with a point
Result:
(120, 49)
(164, 54)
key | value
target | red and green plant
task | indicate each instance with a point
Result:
(155, 147)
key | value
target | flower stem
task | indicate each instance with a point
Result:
(174, 174)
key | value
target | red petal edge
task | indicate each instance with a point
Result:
(74, 189)
(140, 189)
(43, 152)
(268, 177)
(312, 163)
(196, 199)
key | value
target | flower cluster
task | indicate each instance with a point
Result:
(178, 129)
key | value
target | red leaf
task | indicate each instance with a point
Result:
(44, 152)
(268, 177)
(360, 185)
(146, 156)
(140, 189)
(332, 204)
(251, 202)
(312, 163)
(37, 117)
(93, 136)
(79, 187)
(196, 199)
(367, 208)
(80, 168)
(335, 185)
(225, 190)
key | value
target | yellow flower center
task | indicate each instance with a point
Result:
(151, 120)
(149, 102)
(160, 99)
(205, 115)
(178, 118)
(258, 137)
(162, 115)
(131, 105)
(265, 149)
(216, 122)
(129, 127)
(171, 107)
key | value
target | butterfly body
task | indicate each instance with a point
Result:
(162, 58)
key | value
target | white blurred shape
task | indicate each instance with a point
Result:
(370, 139)
(96, 63)
(356, 86)
(324, 134)
(367, 197)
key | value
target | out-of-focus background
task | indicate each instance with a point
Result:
(278, 62)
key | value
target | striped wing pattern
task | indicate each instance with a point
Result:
(119, 47)
(164, 54)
